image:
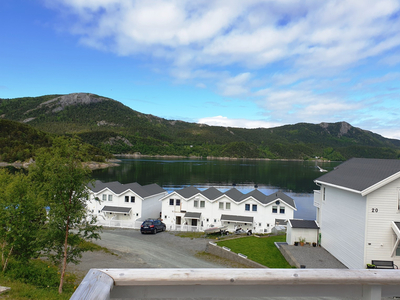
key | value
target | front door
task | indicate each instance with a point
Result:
(194, 222)
(178, 221)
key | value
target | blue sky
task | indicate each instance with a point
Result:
(232, 63)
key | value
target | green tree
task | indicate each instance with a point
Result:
(62, 179)
(22, 219)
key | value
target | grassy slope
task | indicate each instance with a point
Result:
(261, 250)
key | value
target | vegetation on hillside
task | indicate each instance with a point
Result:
(20, 142)
(109, 125)
(43, 212)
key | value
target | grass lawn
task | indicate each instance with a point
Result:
(261, 250)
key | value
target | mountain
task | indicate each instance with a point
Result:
(116, 128)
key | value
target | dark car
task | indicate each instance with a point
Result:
(152, 226)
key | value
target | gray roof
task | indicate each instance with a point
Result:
(307, 224)
(117, 209)
(212, 193)
(361, 173)
(188, 192)
(234, 194)
(240, 219)
(192, 215)
(119, 188)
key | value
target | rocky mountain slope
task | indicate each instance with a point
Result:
(116, 128)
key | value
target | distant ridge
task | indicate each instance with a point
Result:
(116, 128)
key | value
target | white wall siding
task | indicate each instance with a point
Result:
(342, 225)
(263, 218)
(382, 209)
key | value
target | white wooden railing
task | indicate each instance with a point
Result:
(237, 283)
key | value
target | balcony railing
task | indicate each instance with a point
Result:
(237, 283)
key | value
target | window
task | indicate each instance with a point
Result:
(254, 207)
(178, 202)
(132, 199)
(323, 194)
(104, 197)
(171, 201)
(274, 209)
(195, 203)
(259, 224)
(202, 203)
(215, 220)
(227, 205)
(398, 198)
(109, 197)
(281, 209)
(221, 205)
(126, 198)
(247, 207)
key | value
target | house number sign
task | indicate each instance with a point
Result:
(374, 210)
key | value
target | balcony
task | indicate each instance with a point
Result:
(237, 283)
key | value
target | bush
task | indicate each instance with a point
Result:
(37, 272)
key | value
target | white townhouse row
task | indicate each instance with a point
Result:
(124, 205)
(358, 210)
(195, 210)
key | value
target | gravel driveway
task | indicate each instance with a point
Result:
(135, 250)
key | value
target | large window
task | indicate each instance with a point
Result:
(254, 207)
(196, 203)
(202, 203)
(177, 202)
(274, 209)
(247, 207)
(228, 205)
(132, 199)
(126, 198)
(109, 197)
(221, 205)
(104, 197)
(171, 201)
(281, 209)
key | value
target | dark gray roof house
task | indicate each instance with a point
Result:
(362, 175)
(358, 210)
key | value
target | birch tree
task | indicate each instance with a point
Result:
(62, 179)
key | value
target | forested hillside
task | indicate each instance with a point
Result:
(20, 142)
(116, 128)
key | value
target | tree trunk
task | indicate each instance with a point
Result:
(8, 256)
(64, 263)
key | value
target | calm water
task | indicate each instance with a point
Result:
(295, 178)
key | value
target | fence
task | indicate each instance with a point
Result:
(237, 283)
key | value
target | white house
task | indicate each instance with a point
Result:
(358, 210)
(192, 209)
(124, 205)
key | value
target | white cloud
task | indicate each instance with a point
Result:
(296, 59)
(241, 123)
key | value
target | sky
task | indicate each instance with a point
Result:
(233, 63)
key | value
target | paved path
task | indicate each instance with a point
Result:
(314, 257)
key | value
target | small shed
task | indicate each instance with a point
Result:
(302, 229)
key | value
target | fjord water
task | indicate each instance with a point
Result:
(295, 178)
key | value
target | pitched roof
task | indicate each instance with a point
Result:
(234, 194)
(212, 193)
(307, 224)
(119, 188)
(360, 174)
(188, 192)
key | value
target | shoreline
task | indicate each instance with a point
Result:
(93, 165)
(137, 155)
